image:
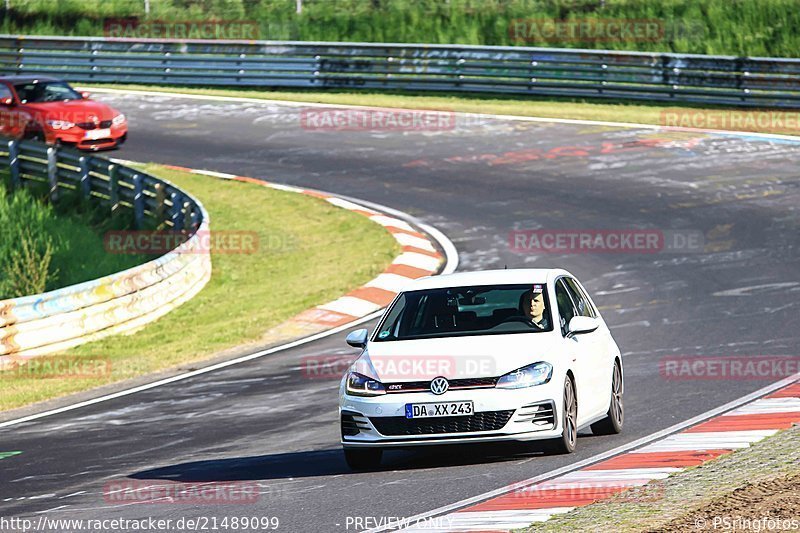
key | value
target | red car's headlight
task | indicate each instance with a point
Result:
(60, 124)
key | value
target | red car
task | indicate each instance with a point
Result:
(48, 109)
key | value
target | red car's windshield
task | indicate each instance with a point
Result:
(45, 91)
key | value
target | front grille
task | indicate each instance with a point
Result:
(455, 384)
(92, 125)
(400, 425)
(473, 382)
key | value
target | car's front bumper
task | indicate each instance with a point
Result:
(501, 415)
(81, 139)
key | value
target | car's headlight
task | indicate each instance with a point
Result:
(527, 376)
(119, 119)
(360, 385)
(60, 124)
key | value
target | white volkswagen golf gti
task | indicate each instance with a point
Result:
(503, 355)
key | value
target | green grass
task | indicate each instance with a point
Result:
(734, 27)
(45, 247)
(305, 257)
(577, 109)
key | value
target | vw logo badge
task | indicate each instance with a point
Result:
(439, 385)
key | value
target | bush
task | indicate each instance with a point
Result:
(45, 247)
(26, 247)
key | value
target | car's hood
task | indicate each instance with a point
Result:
(454, 357)
(72, 110)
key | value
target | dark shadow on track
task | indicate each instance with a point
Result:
(331, 462)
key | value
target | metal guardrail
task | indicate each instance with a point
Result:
(741, 81)
(59, 319)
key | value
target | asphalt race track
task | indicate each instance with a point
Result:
(264, 422)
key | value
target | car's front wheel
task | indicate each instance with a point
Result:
(612, 423)
(365, 459)
(569, 421)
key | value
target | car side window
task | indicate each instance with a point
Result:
(580, 299)
(5, 92)
(566, 309)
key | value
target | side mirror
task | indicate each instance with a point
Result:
(7, 101)
(357, 338)
(86, 95)
(582, 324)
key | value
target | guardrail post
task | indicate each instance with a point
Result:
(92, 65)
(52, 173)
(195, 218)
(741, 76)
(138, 200)
(167, 70)
(161, 196)
(86, 179)
(19, 59)
(177, 211)
(187, 218)
(13, 164)
(113, 187)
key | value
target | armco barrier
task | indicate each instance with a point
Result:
(744, 81)
(59, 319)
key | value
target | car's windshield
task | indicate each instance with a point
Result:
(456, 311)
(45, 91)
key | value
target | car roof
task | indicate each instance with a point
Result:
(488, 277)
(27, 78)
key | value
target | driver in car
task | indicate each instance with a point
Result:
(533, 307)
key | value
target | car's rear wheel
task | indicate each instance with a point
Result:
(612, 423)
(569, 421)
(365, 459)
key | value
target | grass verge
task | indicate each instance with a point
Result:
(686, 115)
(304, 258)
(693, 496)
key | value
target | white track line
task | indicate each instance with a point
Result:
(451, 258)
(191, 374)
(594, 459)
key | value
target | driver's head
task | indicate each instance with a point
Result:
(533, 303)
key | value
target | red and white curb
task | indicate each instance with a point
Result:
(525, 503)
(419, 258)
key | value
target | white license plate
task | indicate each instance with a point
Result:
(98, 134)
(431, 410)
